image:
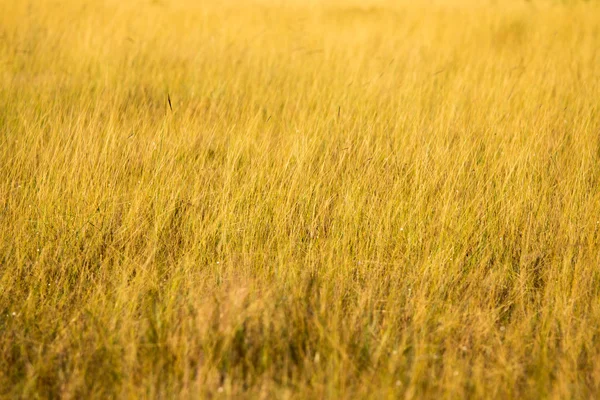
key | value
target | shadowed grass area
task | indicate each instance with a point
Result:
(265, 199)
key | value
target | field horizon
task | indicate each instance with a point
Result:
(287, 199)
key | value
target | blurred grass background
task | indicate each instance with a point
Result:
(299, 199)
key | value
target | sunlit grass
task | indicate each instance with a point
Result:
(271, 199)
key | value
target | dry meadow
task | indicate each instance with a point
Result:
(299, 199)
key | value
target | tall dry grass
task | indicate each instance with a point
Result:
(340, 199)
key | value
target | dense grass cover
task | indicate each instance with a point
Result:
(305, 199)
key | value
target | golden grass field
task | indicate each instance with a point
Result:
(299, 199)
